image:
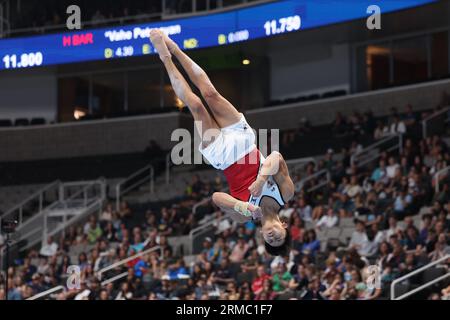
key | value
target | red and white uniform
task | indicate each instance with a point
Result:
(234, 151)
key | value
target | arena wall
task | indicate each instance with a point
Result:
(128, 135)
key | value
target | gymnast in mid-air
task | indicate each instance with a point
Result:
(259, 187)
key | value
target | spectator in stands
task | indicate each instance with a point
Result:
(359, 238)
(391, 169)
(106, 215)
(314, 291)
(50, 248)
(297, 229)
(393, 228)
(409, 117)
(381, 131)
(397, 126)
(402, 203)
(281, 278)
(267, 292)
(340, 124)
(441, 249)
(239, 250)
(311, 244)
(329, 220)
(258, 282)
(380, 172)
(125, 213)
(92, 230)
(304, 210)
(98, 18)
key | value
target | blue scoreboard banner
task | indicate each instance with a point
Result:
(255, 22)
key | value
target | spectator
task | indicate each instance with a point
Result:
(281, 278)
(239, 251)
(329, 220)
(397, 126)
(310, 245)
(359, 238)
(92, 230)
(267, 292)
(258, 282)
(49, 249)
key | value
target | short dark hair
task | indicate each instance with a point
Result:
(281, 250)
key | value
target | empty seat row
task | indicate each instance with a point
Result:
(22, 122)
(311, 97)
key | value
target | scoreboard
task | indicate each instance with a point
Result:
(217, 29)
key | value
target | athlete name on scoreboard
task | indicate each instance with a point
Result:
(115, 35)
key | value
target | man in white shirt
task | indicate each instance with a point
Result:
(359, 238)
(328, 221)
(397, 126)
(392, 168)
(393, 228)
(49, 249)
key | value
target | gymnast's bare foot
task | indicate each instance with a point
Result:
(171, 45)
(157, 39)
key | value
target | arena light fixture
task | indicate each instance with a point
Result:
(79, 113)
(246, 62)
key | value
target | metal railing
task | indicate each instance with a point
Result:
(38, 224)
(36, 228)
(437, 177)
(323, 176)
(373, 151)
(142, 175)
(296, 165)
(46, 293)
(441, 116)
(203, 228)
(199, 204)
(100, 272)
(426, 285)
(124, 261)
(17, 211)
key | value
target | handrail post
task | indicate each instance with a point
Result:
(167, 168)
(152, 180)
(44, 231)
(118, 196)
(20, 215)
(61, 192)
(85, 196)
(41, 200)
(424, 129)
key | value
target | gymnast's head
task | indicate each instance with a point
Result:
(276, 236)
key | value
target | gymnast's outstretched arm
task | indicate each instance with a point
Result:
(240, 211)
(274, 166)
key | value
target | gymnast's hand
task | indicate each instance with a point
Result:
(256, 211)
(257, 186)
